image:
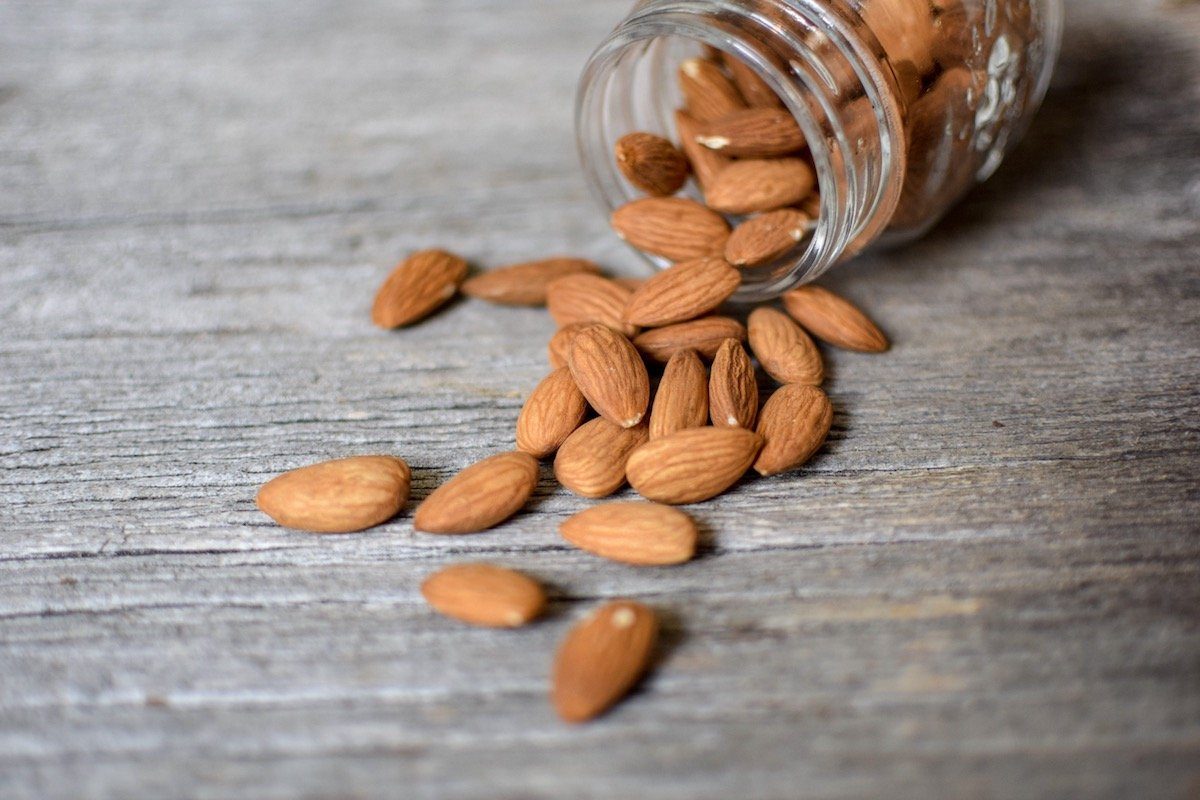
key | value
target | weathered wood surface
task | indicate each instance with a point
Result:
(986, 586)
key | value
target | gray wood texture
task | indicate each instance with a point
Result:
(985, 586)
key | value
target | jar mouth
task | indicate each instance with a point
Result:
(630, 85)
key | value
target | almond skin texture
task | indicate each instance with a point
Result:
(692, 465)
(682, 397)
(482, 495)
(834, 319)
(707, 92)
(752, 133)
(524, 284)
(419, 285)
(745, 187)
(753, 88)
(559, 349)
(341, 496)
(551, 412)
(706, 163)
(703, 335)
(484, 594)
(589, 298)
(642, 534)
(651, 163)
(611, 374)
(602, 658)
(673, 227)
(784, 350)
(682, 292)
(732, 388)
(591, 462)
(762, 239)
(794, 423)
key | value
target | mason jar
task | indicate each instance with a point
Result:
(903, 104)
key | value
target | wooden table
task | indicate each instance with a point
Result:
(987, 584)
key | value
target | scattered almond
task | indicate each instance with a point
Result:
(651, 163)
(707, 92)
(340, 496)
(417, 286)
(559, 349)
(752, 133)
(611, 374)
(591, 462)
(682, 292)
(484, 594)
(794, 423)
(682, 397)
(552, 411)
(692, 465)
(703, 335)
(589, 298)
(784, 350)
(524, 284)
(762, 239)
(644, 534)
(753, 88)
(732, 388)
(673, 227)
(602, 658)
(751, 185)
(481, 496)
(834, 319)
(705, 163)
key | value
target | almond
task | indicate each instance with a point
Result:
(794, 423)
(703, 335)
(752, 133)
(745, 187)
(651, 163)
(834, 319)
(784, 350)
(811, 205)
(482, 495)
(631, 284)
(762, 239)
(753, 88)
(692, 465)
(707, 92)
(417, 286)
(591, 462)
(484, 594)
(610, 373)
(340, 496)
(559, 349)
(705, 163)
(682, 292)
(589, 298)
(682, 397)
(525, 284)
(673, 227)
(602, 658)
(732, 388)
(643, 534)
(551, 412)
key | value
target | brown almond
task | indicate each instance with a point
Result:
(417, 286)
(753, 88)
(751, 185)
(708, 92)
(811, 205)
(732, 388)
(784, 350)
(632, 284)
(481, 496)
(834, 319)
(682, 292)
(692, 465)
(682, 397)
(651, 163)
(589, 298)
(558, 350)
(484, 594)
(643, 534)
(794, 423)
(762, 239)
(551, 412)
(602, 658)
(673, 227)
(524, 284)
(752, 133)
(703, 335)
(591, 462)
(611, 374)
(340, 496)
(705, 163)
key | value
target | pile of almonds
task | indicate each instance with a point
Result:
(674, 391)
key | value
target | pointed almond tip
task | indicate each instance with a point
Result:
(632, 421)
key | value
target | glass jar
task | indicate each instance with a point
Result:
(904, 104)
